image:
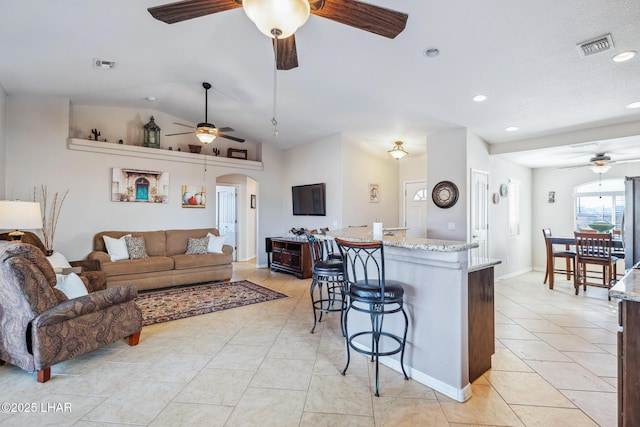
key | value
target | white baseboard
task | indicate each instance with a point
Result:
(513, 274)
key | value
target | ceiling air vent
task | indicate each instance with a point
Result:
(99, 63)
(596, 45)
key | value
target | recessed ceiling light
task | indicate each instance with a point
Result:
(634, 105)
(512, 128)
(431, 52)
(150, 98)
(624, 56)
(479, 98)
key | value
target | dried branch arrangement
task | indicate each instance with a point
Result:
(50, 222)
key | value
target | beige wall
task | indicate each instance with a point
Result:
(559, 215)
(363, 165)
(87, 175)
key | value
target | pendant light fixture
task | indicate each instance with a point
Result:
(397, 152)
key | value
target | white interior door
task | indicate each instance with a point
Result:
(479, 225)
(415, 208)
(226, 197)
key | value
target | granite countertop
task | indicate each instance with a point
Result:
(397, 237)
(482, 263)
(628, 288)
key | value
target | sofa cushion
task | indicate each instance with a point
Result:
(132, 266)
(136, 247)
(184, 262)
(154, 241)
(177, 239)
(197, 246)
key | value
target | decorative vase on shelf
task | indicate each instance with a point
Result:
(186, 196)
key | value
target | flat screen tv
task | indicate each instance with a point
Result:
(309, 199)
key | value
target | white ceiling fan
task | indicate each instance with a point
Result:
(601, 163)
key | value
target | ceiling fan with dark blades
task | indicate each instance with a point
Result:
(206, 132)
(374, 19)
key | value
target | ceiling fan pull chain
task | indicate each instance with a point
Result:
(274, 121)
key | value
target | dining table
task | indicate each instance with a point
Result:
(568, 242)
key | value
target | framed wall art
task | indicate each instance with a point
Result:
(374, 193)
(193, 196)
(253, 201)
(135, 185)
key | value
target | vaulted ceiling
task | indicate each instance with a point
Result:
(522, 55)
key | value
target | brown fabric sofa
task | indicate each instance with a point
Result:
(167, 264)
(40, 327)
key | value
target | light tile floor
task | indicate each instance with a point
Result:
(555, 365)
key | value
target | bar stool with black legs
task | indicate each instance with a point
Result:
(327, 283)
(370, 293)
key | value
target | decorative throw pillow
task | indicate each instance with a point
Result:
(197, 246)
(58, 262)
(72, 285)
(117, 248)
(136, 247)
(215, 243)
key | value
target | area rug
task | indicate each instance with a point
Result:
(178, 303)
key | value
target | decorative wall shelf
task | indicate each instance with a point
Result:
(159, 154)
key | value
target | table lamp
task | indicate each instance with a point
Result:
(17, 215)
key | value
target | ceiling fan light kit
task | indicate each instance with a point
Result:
(279, 18)
(205, 132)
(397, 152)
(600, 168)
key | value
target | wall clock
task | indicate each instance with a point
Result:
(445, 194)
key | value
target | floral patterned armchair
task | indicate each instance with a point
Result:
(40, 327)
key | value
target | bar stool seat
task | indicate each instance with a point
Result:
(327, 288)
(393, 291)
(370, 293)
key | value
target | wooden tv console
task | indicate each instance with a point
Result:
(291, 256)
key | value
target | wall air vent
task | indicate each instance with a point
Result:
(99, 63)
(596, 45)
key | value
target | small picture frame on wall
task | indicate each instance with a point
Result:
(253, 201)
(235, 153)
(374, 193)
(552, 196)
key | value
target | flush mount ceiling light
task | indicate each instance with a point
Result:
(624, 56)
(431, 52)
(397, 152)
(512, 128)
(633, 105)
(479, 98)
(277, 18)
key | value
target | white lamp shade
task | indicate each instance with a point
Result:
(17, 215)
(205, 134)
(284, 15)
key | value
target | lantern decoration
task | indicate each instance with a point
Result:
(152, 134)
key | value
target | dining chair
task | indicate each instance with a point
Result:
(568, 255)
(595, 249)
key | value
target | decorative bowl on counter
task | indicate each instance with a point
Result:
(601, 226)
